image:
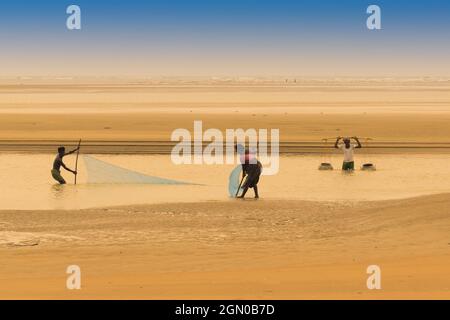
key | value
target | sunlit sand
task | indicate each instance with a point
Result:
(311, 235)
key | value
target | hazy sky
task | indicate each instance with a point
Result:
(225, 38)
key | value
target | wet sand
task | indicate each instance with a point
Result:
(231, 249)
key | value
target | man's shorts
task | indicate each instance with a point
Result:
(348, 165)
(57, 176)
(251, 181)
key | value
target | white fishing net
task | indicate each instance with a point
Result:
(234, 180)
(99, 171)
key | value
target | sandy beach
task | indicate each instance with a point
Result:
(208, 150)
(211, 247)
(399, 115)
(405, 111)
(230, 250)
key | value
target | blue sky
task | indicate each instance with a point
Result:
(245, 37)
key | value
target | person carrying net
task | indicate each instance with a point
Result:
(251, 171)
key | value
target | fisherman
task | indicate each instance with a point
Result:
(251, 171)
(347, 147)
(58, 162)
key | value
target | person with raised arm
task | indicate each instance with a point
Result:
(348, 148)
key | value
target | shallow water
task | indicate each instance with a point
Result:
(26, 182)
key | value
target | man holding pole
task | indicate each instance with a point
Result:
(58, 163)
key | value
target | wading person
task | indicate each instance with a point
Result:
(347, 147)
(58, 163)
(251, 171)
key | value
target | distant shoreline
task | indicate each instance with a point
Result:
(141, 119)
(165, 147)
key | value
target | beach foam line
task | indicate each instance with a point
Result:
(27, 239)
(18, 239)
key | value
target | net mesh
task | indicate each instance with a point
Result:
(99, 171)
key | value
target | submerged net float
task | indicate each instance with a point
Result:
(325, 166)
(368, 167)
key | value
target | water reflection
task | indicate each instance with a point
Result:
(396, 177)
(57, 191)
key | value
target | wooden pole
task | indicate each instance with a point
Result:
(76, 161)
(239, 188)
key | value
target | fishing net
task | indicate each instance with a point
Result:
(99, 171)
(234, 180)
